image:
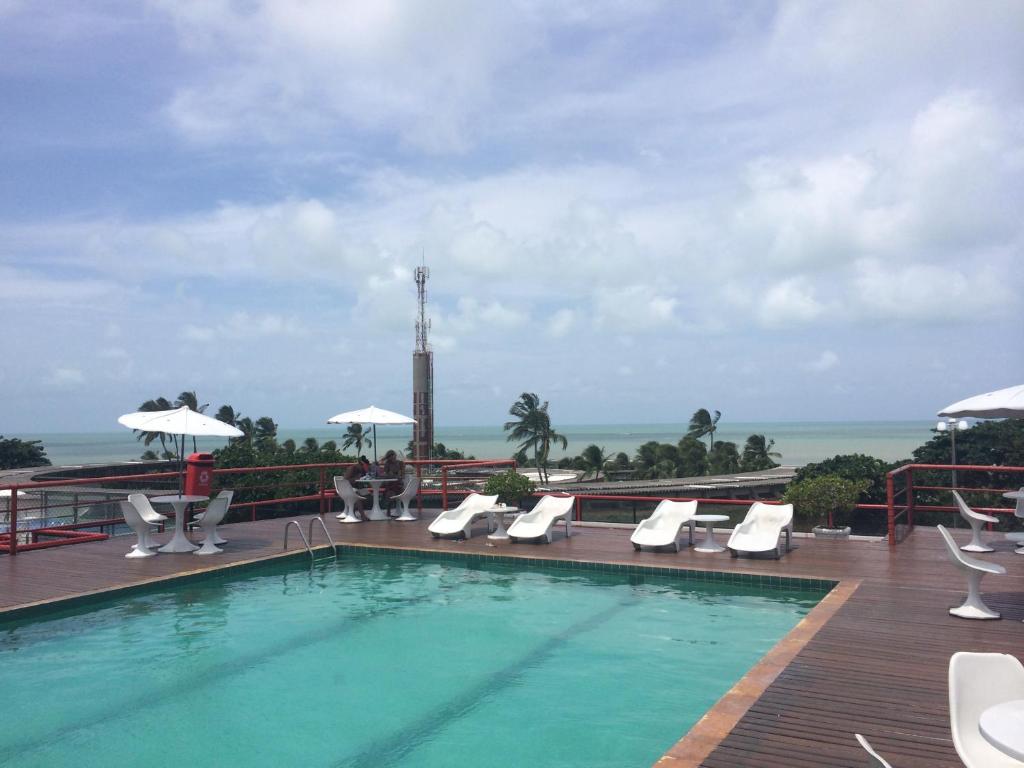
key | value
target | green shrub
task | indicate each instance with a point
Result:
(510, 486)
(819, 500)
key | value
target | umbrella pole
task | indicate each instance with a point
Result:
(181, 467)
(374, 443)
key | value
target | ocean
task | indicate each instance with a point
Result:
(798, 442)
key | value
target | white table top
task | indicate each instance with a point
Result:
(1014, 495)
(173, 497)
(502, 508)
(710, 518)
(1003, 727)
(368, 479)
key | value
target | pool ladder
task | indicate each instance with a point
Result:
(307, 539)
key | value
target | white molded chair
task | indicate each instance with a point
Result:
(140, 526)
(973, 607)
(978, 681)
(1017, 537)
(402, 500)
(875, 760)
(460, 519)
(214, 513)
(975, 520)
(665, 525)
(349, 496)
(540, 521)
(141, 504)
(220, 542)
(762, 528)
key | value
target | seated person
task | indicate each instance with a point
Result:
(393, 469)
(353, 474)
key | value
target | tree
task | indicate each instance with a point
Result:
(227, 414)
(821, 499)
(265, 433)
(758, 454)
(594, 458)
(656, 460)
(356, 436)
(533, 429)
(190, 400)
(693, 457)
(310, 445)
(157, 404)
(867, 471)
(703, 423)
(724, 459)
(16, 453)
(248, 429)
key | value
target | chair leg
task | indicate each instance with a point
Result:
(976, 544)
(974, 607)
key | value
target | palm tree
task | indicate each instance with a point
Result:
(248, 429)
(703, 423)
(724, 459)
(265, 432)
(189, 399)
(547, 437)
(533, 430)
(758, 454)
(310, 445)
(228, 415)
(594, 458)
(157, 404)
(356, 436)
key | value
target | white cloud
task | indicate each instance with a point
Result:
(826, 361)
(561, 322)
(787, 303)
(243, 326)
(65, 378)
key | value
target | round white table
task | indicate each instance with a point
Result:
(179, 541)
(498, 521)
(709, 545)
(1003, 727)
(375, 512)
(1016, 538)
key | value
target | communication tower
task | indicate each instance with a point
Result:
(422, 375)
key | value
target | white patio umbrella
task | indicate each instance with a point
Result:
(371, 415)
(179, 421)
(1002, 404)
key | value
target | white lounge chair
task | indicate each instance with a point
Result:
(973, 607)
(141, 504)
(140, 526)
(978, 681)
(975, 520)
(349, 496)
(214, 513)
(875, 760)
(540, 521)
(762, 528)
(665, 525)
(402, 500)
(228, 495)
(452, 522)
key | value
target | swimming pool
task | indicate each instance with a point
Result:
(384, 661)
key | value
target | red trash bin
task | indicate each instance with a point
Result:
(199, 474)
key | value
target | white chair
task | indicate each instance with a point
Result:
(452, 522)
(875, 760)
(540, 521)
(1017, 537)
(762, 528)
(973, 607)
(975, 520)
(214, 513)
(141, 504)
(220, 542)
(978, 681)
(412, 487)
(349, 496)
(140, 526)
(665, 525)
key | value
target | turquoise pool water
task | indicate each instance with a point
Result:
(383, 661)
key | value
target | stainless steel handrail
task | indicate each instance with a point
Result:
(317, 519)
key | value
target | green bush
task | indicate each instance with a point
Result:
(820, 500)
(510, 486)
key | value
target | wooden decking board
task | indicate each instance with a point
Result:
(877, 665)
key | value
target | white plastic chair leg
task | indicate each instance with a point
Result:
(568, 525)
(976, 544)
(139, 548)
(974, 607)
(406, 514)
(208, 548)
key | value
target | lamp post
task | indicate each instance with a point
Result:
(952, 426)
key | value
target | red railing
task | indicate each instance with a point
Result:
(903, 514)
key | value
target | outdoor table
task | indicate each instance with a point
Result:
(375, 512)
(1016, 538)
(709, 545)
(179, 542)
(498, 521)
(1003, 727)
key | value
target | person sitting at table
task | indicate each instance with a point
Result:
(393, 469)
(354, 473)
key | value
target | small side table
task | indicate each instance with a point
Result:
(1003, 727)
(709, 545)
(498, 517)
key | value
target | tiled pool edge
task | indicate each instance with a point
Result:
(707, 733)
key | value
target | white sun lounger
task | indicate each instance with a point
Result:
(762, 528)
(664, 527)
(460, 519)
(541, 519)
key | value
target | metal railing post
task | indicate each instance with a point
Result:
(891, 507)
(579, 509)
(323, 490)
(910, 500)
(444, 486)
(12, 544)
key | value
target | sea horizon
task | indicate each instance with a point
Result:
(799, 442)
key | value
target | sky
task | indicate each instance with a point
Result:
(782, 211)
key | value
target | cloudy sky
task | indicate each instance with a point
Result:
(785, 211)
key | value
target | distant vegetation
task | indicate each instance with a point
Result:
(18, 454)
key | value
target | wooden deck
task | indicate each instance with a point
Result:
(872, 658)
